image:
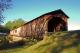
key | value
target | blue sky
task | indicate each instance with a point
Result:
(30, 9)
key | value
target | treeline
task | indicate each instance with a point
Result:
(5, 39)
(10, 25)
(14, 24)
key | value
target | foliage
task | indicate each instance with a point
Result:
(3, 42)
(19, 41)
(14, 24)
(55, 43)
(28, 41)
(4, 29)
(59, 42)
(4, 4)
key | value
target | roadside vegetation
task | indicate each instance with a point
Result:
(59, 42)
(7, 42)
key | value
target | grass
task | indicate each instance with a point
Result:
(13, 50)
(59, 42)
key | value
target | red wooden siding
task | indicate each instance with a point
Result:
(37, 27)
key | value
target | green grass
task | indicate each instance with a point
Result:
(60, 42)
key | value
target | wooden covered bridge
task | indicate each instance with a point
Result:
(50, 22)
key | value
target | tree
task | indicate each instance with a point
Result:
(8, 25)
(3, 29)
(4, 4)
(14, 24)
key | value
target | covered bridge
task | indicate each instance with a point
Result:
(50, 22)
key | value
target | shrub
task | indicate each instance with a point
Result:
(3, 42)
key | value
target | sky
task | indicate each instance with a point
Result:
(30, 9)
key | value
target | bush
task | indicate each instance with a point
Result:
(3, 42)
(17, 43)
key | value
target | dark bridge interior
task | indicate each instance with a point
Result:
(55, 22)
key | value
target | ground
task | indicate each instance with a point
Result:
(59, 42)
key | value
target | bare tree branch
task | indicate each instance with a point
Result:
(4, 4)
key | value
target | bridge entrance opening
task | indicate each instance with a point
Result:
(55, 24)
